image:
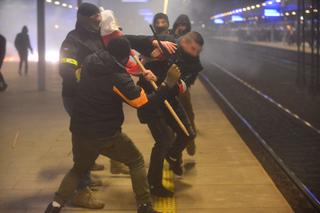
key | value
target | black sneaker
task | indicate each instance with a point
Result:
(3, 87)
(175, 165)
(146, 208)
(160, 191)
(52, 209)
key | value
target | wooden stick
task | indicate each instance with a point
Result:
(168, 105)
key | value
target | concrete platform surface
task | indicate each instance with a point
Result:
(224, 176)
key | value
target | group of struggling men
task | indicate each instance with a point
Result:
(96, 70)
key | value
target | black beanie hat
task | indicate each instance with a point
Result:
(119, 48)
(160, 16)
(88, 9)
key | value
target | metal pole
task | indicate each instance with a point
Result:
(41, 45)
(303, 5)
(298, 38)
(312, 39)
(317, 10)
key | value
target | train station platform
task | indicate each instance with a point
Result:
(224, 176)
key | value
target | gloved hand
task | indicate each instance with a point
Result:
(173, 76)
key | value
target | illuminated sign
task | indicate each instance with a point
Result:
(237, 18)
(219, 21)
(271, 13)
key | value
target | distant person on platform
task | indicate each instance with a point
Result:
(181, 26)
(161, 24)
(22, 43)
(3, 85)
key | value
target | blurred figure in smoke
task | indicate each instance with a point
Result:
(3, 85)
(181, 26)
(289, 35)
(161, 23)
(22, 43)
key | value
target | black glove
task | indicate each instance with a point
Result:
(173, 75)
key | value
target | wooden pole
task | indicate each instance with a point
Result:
(167, 104)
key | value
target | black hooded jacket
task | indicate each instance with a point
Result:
(2, 49)
(104, 86)
(80, 43)
(181, 20)
(189, 67)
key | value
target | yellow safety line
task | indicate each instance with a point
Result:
(168, 204)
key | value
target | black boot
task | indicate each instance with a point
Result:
(146, 208)
(52, 209)
(160, 191)
(3, 86)
(175, 165)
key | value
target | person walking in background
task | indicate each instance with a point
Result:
(3, 85)
(22, 44)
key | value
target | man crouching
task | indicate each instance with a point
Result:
(98, 116)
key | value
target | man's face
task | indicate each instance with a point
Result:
(96, 19)
(180, 30)
(161, 25)
(191, 47)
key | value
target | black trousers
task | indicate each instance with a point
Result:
(182, 140)
(23, 55)
(169, 139)
(2, 82)
(164, 137)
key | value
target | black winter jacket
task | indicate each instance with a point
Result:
(104, 86)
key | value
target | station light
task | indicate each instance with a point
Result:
(61, 4)
(219, 21)
(268, 12)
